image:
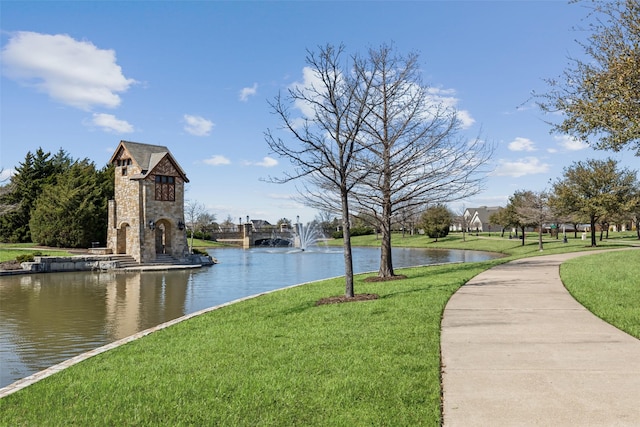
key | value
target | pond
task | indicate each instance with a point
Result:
(48, 318)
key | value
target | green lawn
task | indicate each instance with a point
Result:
(609, 286)
(275, 360)
(494, 243)
(281, 360)
(9, 252)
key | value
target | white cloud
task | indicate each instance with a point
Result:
(72, 72)
(5, 174)
(446, 98)
(109, 123)
(520, 167)
(570, 143)
(246, 92)
(522, 144)
(465, 119)
(217, 160)
(278, 196)
(309, 81)
(198, 126)
(267, 162)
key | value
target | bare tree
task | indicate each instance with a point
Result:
(204, 222)
(325, 220)
(533, 208)
(322, 145)
(415, 153)
(463, 221)
(192, 211)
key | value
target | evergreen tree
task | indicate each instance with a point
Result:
(36, 171)
(436, 221)
(72, 212)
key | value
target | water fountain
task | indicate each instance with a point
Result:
(306, 235)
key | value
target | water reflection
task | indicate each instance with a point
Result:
(48, 318)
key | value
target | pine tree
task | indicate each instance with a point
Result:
(72, 212)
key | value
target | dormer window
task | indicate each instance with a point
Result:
(165, 188)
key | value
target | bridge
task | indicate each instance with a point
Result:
(247, 237)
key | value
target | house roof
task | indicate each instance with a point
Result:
(482, 213)
(485, 212)
(147, 157)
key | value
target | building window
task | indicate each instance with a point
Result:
(124, 163)
(165, 188)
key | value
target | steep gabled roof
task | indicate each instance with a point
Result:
(485, 212)
(147, 157)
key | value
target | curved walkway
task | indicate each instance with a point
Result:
(518, 350)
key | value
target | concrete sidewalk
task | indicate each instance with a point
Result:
(518, 350)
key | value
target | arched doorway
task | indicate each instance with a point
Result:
(163, 237)
(121, 238)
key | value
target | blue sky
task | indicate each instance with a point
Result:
(197, 76)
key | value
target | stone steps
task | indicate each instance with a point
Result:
(163, 259)
(125, 261)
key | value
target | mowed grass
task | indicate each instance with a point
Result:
(493, 242)
(274, 360)
(608, 285)
(9, 252)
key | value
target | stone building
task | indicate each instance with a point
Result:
(146, 217)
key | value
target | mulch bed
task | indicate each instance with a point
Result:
(344, 298)
(384, 279)
(359, 297)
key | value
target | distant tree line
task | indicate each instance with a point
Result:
(594, 192)
(55, 200)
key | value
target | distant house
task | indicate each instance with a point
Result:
(477, 219)
(259, 224)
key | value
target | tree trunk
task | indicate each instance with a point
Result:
(593, 232)
(348, 256)
(386, 264)
(540, 237)
(523, 234)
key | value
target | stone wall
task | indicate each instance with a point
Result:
(163, 213)
(125, 217)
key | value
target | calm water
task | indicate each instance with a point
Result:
(48, 318)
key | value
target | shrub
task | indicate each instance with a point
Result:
(25, 258)
(355, 231)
